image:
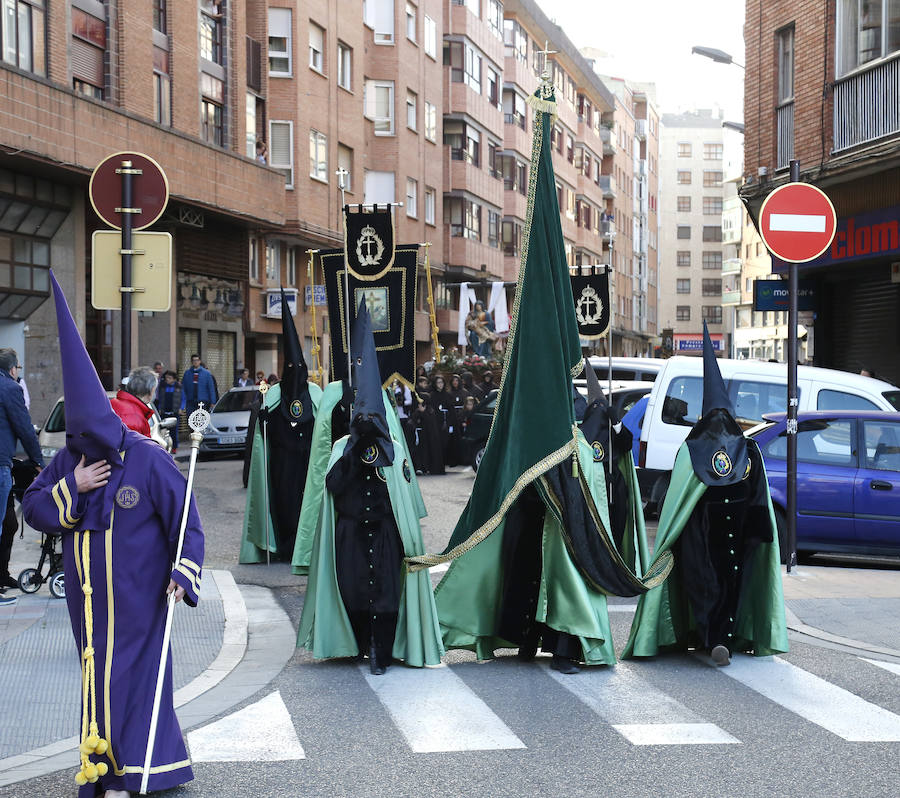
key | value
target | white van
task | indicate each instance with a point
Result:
(641, 369)
(755, 387)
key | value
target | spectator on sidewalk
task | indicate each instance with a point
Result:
(197, 386)
(168, 401)
(15, 424)
(243, 381)
(132, 402)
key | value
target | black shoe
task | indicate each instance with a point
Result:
(8, 581)
(376, 666)
(527, 653)
(720, 655)
(564, 665)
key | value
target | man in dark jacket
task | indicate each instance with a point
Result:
(15, 424)
(197, 386)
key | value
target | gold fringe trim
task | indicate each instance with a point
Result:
(479, 535)
(543, 106)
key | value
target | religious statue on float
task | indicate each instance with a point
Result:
(480, 331)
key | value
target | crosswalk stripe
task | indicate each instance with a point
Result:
(260, 732)
(436, 711)
(638, 711)
(818, 701)
(893, 667)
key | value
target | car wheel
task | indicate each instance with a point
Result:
(476, 460)
(657, 496)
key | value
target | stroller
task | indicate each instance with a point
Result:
(30, 579)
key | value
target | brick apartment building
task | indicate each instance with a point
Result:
(821, 86)
(419, 101)
(603, 141)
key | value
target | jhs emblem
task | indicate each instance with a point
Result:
(127, 497)
(369, 455)
(721, 463)
(747, 470)
(598, 451)
(407, 473)
(589, 307)
(296, 408)
(368, 241)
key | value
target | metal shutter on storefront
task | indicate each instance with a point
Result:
(865, 319)
(219, 357)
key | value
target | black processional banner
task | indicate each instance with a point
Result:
(591, 295)
(369, 240)
(391, 299)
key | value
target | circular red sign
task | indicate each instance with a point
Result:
(149, 190)
(797, 222)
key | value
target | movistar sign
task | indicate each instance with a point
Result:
(774, 295)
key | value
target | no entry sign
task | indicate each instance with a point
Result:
(797, 222)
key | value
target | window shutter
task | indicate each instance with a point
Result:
(281, 153)
(87, 63)
(254, 64)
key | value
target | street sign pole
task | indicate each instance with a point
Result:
(797, 222)
(793, 401)
(127, 172)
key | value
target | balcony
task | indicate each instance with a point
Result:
(784, 118)
(608, 137)
(640, 129)
(608, 186)
(867, 105)
(731, 298)
(731, 266)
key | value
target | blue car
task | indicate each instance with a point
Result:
(848, 480)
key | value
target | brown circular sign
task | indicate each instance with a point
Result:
(149, 190)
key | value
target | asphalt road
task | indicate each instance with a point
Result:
(549, 739)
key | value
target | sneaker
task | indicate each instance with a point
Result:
(8, 581)
(8, 601)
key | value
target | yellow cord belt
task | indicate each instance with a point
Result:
(91, 742)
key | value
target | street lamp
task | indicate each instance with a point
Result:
(719, 56)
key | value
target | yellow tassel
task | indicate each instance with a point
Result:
(92, 742)
(102, 768)
(101, 749)
(90, 772)
(80, 778)
(85, 748)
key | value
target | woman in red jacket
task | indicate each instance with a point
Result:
(132, 402)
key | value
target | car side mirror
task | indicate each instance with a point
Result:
(168, 423)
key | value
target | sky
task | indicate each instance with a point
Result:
(651, 40)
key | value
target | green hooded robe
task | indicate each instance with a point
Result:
(325, 627)
(314, 491)
(663, 619)
(253, 538)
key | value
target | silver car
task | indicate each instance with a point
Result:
(227, 429)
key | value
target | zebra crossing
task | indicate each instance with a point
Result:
(436, 710)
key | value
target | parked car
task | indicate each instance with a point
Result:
(52, 435)
(756, 388)
(475, 436)
(848, 480)
(230, 417)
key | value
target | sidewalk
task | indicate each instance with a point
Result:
(228, 647)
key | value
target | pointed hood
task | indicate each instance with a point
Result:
(92, 427)
(599, 418)
(370, 437)
(716, 443)
(715, 395)
(295, 404)
(594, 390)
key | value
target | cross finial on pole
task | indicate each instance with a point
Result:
(341, 174)
(545, 73)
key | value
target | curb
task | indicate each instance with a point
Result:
(258, 641)
(796, 625)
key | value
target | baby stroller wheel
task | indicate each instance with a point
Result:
(30, 580)
(58, 585)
